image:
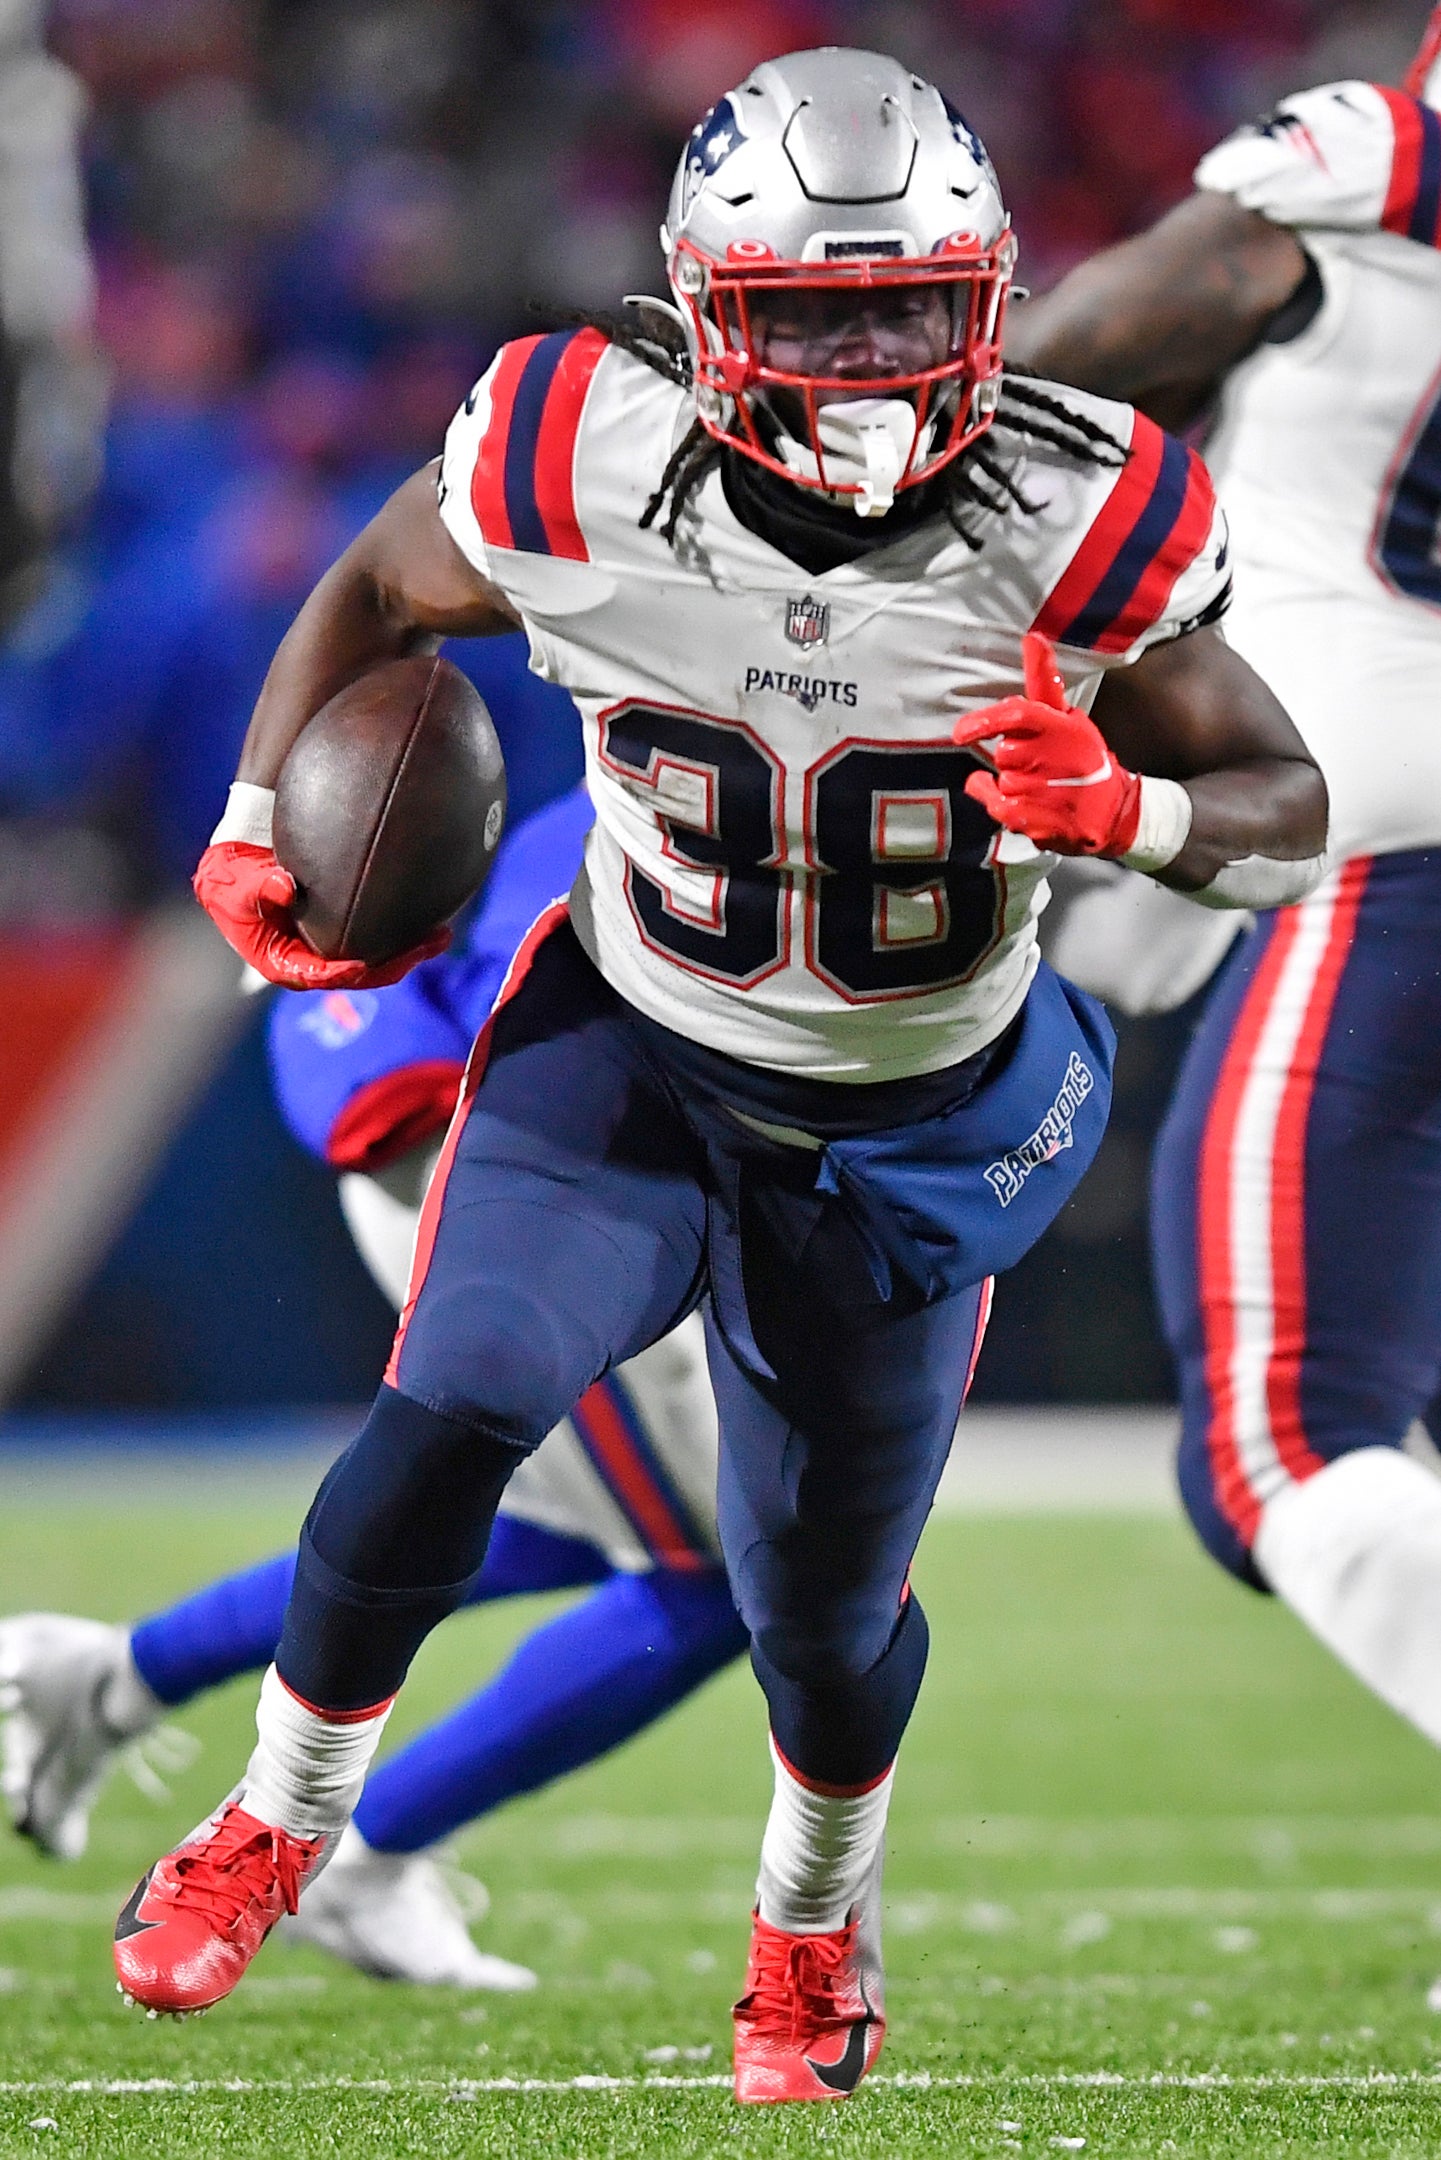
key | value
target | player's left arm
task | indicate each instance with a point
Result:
(1192, 711)
(1159, 319)
(1188, 769)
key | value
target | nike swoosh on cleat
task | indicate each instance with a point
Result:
(845, 2075)
(130, 1922)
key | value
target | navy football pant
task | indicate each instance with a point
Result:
(1296, 1209)
(569, 1227)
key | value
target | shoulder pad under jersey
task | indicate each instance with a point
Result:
(1351, 156)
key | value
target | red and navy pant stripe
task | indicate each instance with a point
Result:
(1297, 1196)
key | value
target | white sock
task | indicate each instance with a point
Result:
(1355, 1551)
(307, 1770)
(818, 1852)
(127, 1705)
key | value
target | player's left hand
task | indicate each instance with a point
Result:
(1055, 780)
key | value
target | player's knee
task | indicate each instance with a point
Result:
(824, 1617)
(1214, 1525)
(492, 1351)
(823, 1651)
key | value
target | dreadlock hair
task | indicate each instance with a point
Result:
(977, 480)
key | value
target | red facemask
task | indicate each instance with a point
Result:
(780, 340)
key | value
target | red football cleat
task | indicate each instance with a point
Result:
(198, 1917)
(806, 2028)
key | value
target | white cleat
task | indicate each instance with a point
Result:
(70, 1702)
(397, 1917)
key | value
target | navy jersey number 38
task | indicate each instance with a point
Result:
(897, 893)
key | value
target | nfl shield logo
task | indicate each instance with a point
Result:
(807, 621)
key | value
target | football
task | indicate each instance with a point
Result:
(389, 808)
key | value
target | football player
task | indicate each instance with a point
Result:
(862, 632)
(1296, 1220)
(620, 1500)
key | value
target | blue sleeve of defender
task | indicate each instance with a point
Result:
(325, 1045)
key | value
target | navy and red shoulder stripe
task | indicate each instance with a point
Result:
(1413, 195)
(1148, 531)
(523, 487)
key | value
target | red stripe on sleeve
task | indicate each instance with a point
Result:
(1288, 1187)
(487, 482)
(645, 1504)
(555, 446)
(1215, 1273)
(1109, 531)
(429, 1222)
(1173, 558)
(1405, 161)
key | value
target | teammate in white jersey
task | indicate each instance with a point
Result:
(835, 599)
(1297, 1206)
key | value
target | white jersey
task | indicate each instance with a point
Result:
(1327, 454)
(785, 866)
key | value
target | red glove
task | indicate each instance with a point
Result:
(1055, 780)
(248, 896)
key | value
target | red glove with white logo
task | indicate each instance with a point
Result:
(249, 896)
(1055, 779)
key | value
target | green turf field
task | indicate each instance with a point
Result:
(1161, 1881)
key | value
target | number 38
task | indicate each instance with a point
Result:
(897, 893)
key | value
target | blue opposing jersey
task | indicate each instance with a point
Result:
(325, 1045)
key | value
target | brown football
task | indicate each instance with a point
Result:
(389, 808)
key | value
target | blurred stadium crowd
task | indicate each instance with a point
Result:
(311, 222)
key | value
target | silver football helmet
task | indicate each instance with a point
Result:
(840, 255)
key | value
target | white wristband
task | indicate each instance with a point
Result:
(248, 814)
(1166, 812)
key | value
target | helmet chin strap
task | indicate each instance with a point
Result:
(867, 442)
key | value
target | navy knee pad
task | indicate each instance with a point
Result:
(393, 1542)
(843, 1728)
(412, 1499)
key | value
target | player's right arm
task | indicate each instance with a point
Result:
(400, 587)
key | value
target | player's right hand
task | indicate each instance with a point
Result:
(250, 898)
